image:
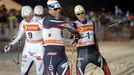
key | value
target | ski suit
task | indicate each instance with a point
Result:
(87, 48)
(55, 57)
(33, 49)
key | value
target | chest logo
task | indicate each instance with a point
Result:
(85, 28)
(31, 27)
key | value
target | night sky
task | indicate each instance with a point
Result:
(95, 5)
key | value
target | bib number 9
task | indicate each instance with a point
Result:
(29, 34)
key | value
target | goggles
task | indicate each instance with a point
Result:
(54, 6)
(55, 9)
(80, 13)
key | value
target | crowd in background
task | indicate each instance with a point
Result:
(10, 19)
(121, 32)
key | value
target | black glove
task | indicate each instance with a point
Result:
(77, 37)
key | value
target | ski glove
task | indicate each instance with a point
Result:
(7, 48)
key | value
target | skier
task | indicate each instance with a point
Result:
(55, 57)
(33, 50)
(87, 46)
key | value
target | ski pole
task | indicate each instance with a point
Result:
(18, 51)
(13, 60)
(108, 26)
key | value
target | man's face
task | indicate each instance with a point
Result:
(81, 15)
(55, 12)
(28, 18)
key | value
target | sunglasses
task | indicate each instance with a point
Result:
(55, 9)
(37, 15)
(80, 13)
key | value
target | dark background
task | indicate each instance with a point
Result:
(95, 5)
